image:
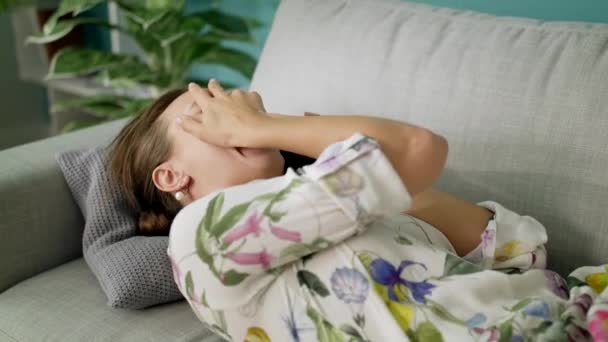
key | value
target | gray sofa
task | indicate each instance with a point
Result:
(523, 104)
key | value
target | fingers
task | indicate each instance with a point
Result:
(216, 89)
(200, 95)
(192, 109)
(190, 124)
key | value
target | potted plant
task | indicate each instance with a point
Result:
(170, 40)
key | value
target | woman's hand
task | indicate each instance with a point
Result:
(224, 119)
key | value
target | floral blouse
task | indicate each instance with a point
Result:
(325, 253)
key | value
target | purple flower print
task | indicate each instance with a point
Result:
(538, 309)
(476, 320)
(556, 284)
(488, 241)
(285, 234)
(257, 258)
(383, 272)
(251, 226)
(351, 287)
(328, 160)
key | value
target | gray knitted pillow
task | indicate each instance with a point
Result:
(133, 271)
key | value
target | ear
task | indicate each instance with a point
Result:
(168, 178)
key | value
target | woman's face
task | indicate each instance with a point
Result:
(198, 168)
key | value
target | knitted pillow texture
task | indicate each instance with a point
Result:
(134, 271)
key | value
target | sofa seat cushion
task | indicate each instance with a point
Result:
(67, 304)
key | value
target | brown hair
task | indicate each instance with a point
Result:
(138, 149)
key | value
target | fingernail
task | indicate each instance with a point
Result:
(192, 85)
(212, 80)
(178, 119)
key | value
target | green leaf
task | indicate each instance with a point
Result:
(506, 331)
(254, 23)
(279, 196)
(426, 331)
(521, 304)
(326, 332)
(456, 265)
(128, 75)
(574, 282)
(189, 286)
(227, 221)
(224, 22)
(70, 62)
(231, 58)
(312, 282)
(136, 106)
(297, 251)
(104, 106)
(204, 299)
(352, 331)
(152, 5)
(366, 259)
(214, 209)
(233, 278)
(402, 240)
(320, 243)
(442, 312)
(276, 215)
(68, 6)
(215, 36)
(143, 18)
(202, 243)
(61, 29)
(79, 124)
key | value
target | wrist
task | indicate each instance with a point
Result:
(262, 134)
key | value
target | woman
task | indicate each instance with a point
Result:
(355, 246)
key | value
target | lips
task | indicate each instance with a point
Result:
(239, 151)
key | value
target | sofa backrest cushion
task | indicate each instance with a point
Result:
(522, 102)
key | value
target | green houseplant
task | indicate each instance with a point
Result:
(170, 39)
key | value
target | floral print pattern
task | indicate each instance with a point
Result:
(384, 273)
(325, 254)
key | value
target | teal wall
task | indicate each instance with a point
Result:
(262, 10)
(563, 10)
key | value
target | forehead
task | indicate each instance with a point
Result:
(178, 106)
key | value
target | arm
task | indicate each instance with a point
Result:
(460, 221)
(417, 154)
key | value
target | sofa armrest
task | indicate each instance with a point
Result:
(40, 224)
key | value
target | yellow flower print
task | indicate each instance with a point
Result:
(511, 249)
(402, 312)
(598, 281)
(256, 334)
